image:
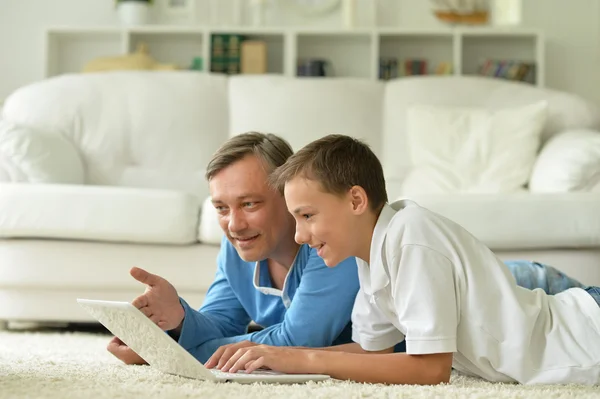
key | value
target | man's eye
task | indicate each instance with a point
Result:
(307, 216)
(220, 209)
(249, 204)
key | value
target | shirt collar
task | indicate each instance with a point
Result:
(283, 293)
(374, 276)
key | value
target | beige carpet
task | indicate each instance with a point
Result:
(50, 364)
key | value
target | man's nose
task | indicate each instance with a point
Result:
(237, 221)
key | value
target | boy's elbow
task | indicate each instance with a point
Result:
(440, 371)
(441, 375)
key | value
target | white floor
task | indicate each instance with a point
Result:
(51, 364)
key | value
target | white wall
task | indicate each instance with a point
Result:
(572, 30)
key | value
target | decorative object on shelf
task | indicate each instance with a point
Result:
(258, 8)
(467, 12)
(181, 10)
(348, 13)
(314, 67)
(197, 64)
(133, 12)
(224, 12)
(312, 7)
(388, 68)
(138, 60)
(414, 67)
(254, 57)
(444, 68)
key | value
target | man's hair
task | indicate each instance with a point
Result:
(337, 163)
(272, 150)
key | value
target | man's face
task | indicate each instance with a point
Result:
(324, 221)
(252, 214)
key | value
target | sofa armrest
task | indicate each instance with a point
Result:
(569, 162)
(96, 213)
(33, 156)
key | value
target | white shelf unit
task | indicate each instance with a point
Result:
(351, 53)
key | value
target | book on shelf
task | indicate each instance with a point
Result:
(389, 68)
(225, 56)
(508, 69)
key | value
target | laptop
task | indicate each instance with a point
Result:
(162, 352)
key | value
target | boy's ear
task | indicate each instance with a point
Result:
(360, 200)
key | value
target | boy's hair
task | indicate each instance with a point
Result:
(271, 149)
(338, 163)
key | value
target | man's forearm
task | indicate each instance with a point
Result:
(391, 368)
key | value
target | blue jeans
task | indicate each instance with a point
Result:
(533, 275)
(595, 293)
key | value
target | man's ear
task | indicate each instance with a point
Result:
(359, 199)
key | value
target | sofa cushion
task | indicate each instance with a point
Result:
(523, 220)
(95, 266)
(172, 121)
(29, 155)
(568, 162)
(302, 110)
(472, 150)
(98, 213)
(209, 231)
(565, 110)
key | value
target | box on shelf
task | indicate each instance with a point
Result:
(254, 57)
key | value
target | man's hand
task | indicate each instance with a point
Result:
(283, 359)
(225, 352)
(123, 352)
(160, 301)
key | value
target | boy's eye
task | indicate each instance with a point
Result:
(307, 216)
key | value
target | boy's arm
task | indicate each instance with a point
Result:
(317, 315)
(395, 368)
(351, 348)
(390, 368)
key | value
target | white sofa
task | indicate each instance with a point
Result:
(102, 172)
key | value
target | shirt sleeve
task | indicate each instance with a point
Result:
(425, 300)
(370, 328)
(221, 315)
(319, 311)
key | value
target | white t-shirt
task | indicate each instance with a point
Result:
(434, 284)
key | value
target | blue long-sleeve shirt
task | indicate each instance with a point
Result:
(313, 309)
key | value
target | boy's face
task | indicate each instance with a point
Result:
(323, 221)
(252, 215)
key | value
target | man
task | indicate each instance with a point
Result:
(263, 275)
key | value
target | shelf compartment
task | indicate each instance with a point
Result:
(69, 51)
(432, 48)
(178, 48)
(348, 55)
(498, 48)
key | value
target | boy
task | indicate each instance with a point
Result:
(426, 280)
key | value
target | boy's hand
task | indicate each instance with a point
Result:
(160, 301)
(225, 352)
(282, 359)
(123, 352)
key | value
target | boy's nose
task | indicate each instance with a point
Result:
(301, 237)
